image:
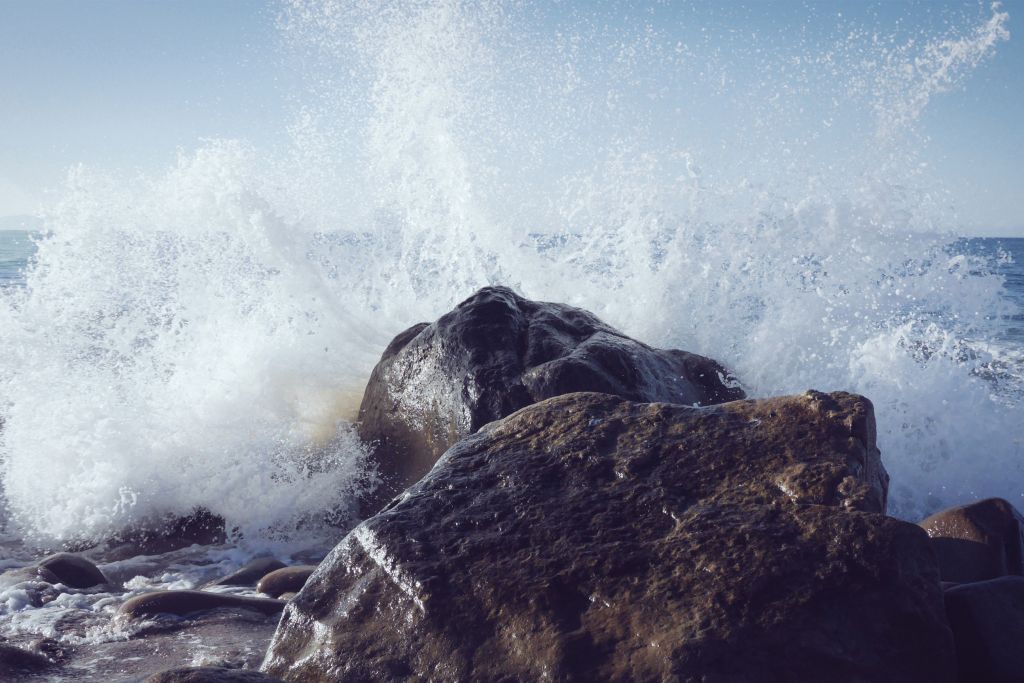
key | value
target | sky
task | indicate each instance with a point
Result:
(126, 84)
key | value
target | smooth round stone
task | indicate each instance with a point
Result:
(210, 674)
(251, 573)
(73, 570)
(979, 541)
(286, 580)
(185, 603)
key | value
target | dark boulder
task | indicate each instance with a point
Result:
(210, 674)
(184, 603)
(251, 573)
(589, 538)
(980, 541)
(497, 352)
(987, 619)
(287, 580)
(165, 534)
(73, 570)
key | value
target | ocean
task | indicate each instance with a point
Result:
(1007, 255)
(199, 337)
(16, 248)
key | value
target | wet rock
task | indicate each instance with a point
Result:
(184, 603)
(210, 674)
(287, 580)
(589, 538)
(15, 662)
(252, 572)
(73, 570)
(987, 619)
(497, 352)
(170, 533)
(980, 541)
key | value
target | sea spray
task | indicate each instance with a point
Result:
(201, 337)
(179, 355)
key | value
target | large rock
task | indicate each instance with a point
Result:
(497, 352)
(987, 619)
(980, 541)
(590, 538)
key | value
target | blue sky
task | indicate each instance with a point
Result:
(126, 84)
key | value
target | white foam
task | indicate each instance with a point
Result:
(201, 337)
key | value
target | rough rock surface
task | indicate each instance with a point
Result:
(209, 674)
(590, 538)
(987, 619)
(73, 570)
(497, 352)
(980, 541)
(286, 580)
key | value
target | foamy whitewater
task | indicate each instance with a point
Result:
(201, 337)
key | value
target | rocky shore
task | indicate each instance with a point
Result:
(560, 502)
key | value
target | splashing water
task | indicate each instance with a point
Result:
(201, 338)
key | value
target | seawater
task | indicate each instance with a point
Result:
(200, 337)
(16, 248)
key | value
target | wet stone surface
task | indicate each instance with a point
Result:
(591, 538)
(498, 352)
(987, 619)
(146, 618)
(980, 541)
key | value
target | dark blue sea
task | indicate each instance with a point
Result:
(1008, 258)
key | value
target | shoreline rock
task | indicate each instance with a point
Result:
(187, 602)
(496, 353)
(587, 537)
(72, 570)
(979, 541)
(251, 573)
(284, 581)
(210, 674)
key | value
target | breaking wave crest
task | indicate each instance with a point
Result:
(200, 338)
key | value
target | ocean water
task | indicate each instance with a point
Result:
(16, 248)
(1007, 257)
(200, 337)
